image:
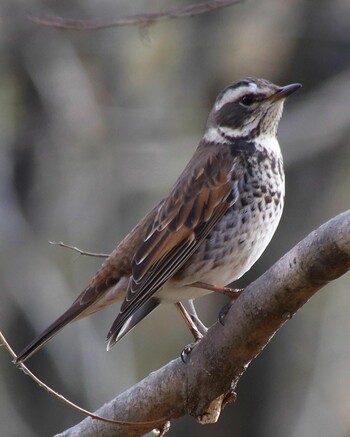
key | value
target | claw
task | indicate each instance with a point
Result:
(223, 313)
(188, 349)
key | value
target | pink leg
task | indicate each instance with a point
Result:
(230, 292)
(197, 335)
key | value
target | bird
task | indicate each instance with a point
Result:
(209, 230)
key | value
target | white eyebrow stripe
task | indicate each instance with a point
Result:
(229, 96)
(234, 94)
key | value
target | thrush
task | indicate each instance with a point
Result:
(211, 228)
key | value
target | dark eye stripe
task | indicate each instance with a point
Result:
(232, 115)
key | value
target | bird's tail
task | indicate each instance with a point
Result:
(71, 314)
(119, 329)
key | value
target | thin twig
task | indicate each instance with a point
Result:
(133, 20)
(76, 249)
(24, 368)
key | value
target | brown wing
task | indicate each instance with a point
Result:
(201, 196)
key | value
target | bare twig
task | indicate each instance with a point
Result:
(76, 249)
(133, 20)
(216, 364)
(163, 422)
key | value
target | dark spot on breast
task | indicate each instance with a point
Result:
(241, 145)
(230, 224)
(227, 237)
(268, 198)
(273, 165)
(261, 156)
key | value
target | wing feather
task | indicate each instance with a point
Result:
(201, 196)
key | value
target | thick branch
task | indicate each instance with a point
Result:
(219, 360)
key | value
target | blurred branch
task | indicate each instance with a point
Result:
(214, 367)
(133, 20)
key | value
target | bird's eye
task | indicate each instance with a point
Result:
(247, 100)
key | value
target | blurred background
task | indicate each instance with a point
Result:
(94, 129)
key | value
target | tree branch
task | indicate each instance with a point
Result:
(81, 252)
(133, 20)
(217, 363)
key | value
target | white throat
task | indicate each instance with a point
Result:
(270, 143)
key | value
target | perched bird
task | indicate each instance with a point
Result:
(211, 228)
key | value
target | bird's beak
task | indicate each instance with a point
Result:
(285, 91)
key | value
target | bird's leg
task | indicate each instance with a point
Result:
(191, 311)
(197, 335)
(191, 325)
(233, 293)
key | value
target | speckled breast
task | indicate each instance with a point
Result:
(241, 236)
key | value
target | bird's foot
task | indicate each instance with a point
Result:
(188, 349)
(223, 312)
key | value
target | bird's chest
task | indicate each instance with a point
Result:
(242, 234)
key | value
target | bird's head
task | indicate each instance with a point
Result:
(250, 108)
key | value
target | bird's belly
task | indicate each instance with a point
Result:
(230, 250)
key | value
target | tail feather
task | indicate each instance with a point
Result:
(71, 314)
(118, 330)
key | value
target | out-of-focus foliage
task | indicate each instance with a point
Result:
(94, 129)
